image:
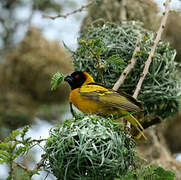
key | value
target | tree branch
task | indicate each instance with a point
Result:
(123, 11)
(127, 69)
(40, 163)
(157, 39)
(38, 140)
(21, 166)
(37, 166)
(70, 13)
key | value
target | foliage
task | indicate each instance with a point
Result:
(14, 146)
(11, 148)
(148, 173)
(114, 45)
(56, 80)
(89, 147)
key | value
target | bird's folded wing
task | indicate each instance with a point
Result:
(109, 97)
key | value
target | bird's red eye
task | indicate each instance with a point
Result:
(77, 76)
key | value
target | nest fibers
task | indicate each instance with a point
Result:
(90, 147)
(114, 45)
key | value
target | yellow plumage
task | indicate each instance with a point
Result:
(94, 98)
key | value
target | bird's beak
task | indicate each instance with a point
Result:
(69, 79)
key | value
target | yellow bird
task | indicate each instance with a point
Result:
(91, 97)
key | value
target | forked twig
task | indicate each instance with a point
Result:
(40, 163)
(70, 13)
(127, 69)
(157, 39)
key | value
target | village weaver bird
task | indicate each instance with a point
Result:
(91, 97)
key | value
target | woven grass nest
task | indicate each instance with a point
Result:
(114, 45)
(90, 147)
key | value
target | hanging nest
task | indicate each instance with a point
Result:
(25, 77)
(110, 10)
(114, 45)
(90, 147)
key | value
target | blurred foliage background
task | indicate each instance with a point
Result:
(11, 22)
(28, 60)
(26, 68)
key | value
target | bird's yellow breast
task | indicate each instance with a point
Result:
(87, 105)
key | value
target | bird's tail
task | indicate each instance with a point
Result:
(145, 124)
(136, 124)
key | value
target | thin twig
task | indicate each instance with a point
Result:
(33, 141)
(21, 166)
(38, 140)
(40, 163)
(37, 166)
(100, 69)
(157, 39)
(123, 11)
(127, 69)
(33, 9)
(70, 13)
(11, 169)
(98, 62)
(158, 145)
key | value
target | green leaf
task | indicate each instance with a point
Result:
(164, 174)
(2, 161)
(56, 80)
(4, 157)
(148, 173)
(98, 51)
(83, 42)
(12, 136)
(174, 10)
(4, 146)
(138, 53)
(116, 59)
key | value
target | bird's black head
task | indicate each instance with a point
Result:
(76, 79)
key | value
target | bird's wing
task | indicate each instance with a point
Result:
(109, 97)
(132, 99)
